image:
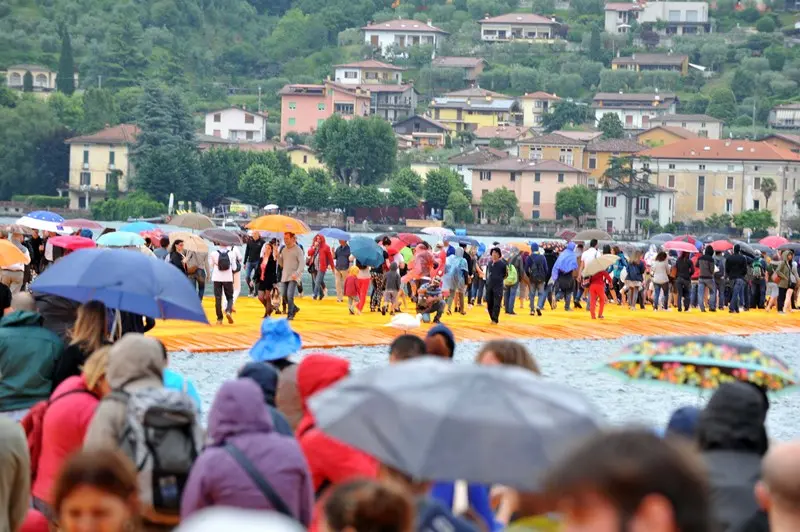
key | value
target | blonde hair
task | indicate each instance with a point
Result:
(353, 270)
(90, 329)
(95, 367)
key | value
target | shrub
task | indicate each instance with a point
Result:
(43, 201)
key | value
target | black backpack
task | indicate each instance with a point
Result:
(224, 261)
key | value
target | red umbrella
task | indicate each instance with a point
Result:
(81, 223)
(566, 234)
(410, 239)
(686, 238)
(72, 242)
(721, 245)
(773, 241)
(679, 245)
(395, 247)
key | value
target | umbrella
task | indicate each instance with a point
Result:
(366, 251)
(395, 246)
(721, 245)
(278, 223)
(192, 220)
(271, 207)
(687, 238)
(745, 248)
(763, 249)
(335, 233)
(433, 419)
(663, 237)
(710, 237)
(679, 245)
(381, 236)
(791, 246)
(17, 229)
(11, 254)
(441, 232)
(469, 241)
(81, 223)
(592, 234)
(72, 242)
(124, 280)
(119, 239)
(191, 241)
(702, 362)
(43, 221)
(601, 263)
(566, 234)
(407, 254)
(773, 241)
(222, 236)
(137, 227)
(522, 246)
(409, 238)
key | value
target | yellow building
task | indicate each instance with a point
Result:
(553, 147)
(653, 62)
(535, 106)
(664, 136)
(97, 159)
(304, 157)
(598, 154)
(785, 141)
(469, 109)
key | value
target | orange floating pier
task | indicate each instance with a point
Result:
(328, 324)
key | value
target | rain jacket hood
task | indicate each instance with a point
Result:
(22, 318)
(238, 408)
(135, 357)
(566, 261)
(265, 375)
(734, 419)
(315, 373)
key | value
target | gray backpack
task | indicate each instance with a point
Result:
(163, 438)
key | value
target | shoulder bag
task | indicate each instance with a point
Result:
(259, 480)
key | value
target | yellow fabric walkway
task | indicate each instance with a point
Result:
(326, 324)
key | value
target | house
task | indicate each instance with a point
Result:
(681, 18)
(701, 125)
(96, 160)
(620, 16)
(392, 102)
(784, 141)
(469, 109)
(723, 176)
(636, 111)
(464, 162)
(472, 66)
(210, 142)
(785, 116)
(585, 136)
(305, 107)
(304, 157)
(44, 79)
(663, 135)
(650, 62)
(368, 72)
(534, 106)
(553, 147)
(535, 183)
(508, 135)
(526, 27)
(611, 208)
(239, 125)
(597, 155)
(424, 131)
(394, 36)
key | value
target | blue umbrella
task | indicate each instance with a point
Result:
(137, 227)
(336, 234)
(366, 251)
(119, 239)
(43, 221)
(467, 240)
(123, 280)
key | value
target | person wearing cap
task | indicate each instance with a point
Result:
(440, 341)
(429, 301)
(683, 422)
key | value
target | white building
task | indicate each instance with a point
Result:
(611, 207)
(636, 111)
(518, 27)
(396, 35)
(236, 124)
(682, 18)
(619, 16)
(701, 125)
(785, 116)
(368, 72)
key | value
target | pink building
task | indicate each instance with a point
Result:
(535, 183)
(305, 107)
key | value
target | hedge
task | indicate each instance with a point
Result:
(43, 201)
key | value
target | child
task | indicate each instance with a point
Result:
(351, 290)
(392, 289)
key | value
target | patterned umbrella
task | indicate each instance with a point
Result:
(701, 362)
(42, 221)
(507, 250)
(566, 234)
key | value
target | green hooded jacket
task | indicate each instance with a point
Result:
(28, 355)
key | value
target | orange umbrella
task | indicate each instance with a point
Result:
(522, 246)
(278, 223)
(11, 254)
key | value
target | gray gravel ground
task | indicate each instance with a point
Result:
(571, 361)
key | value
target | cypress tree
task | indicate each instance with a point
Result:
(27, 82)
(65, 82)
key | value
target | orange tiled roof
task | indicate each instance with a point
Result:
(730, 150)
(121, 134)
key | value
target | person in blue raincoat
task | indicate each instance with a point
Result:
(563, 276)
(454, 280)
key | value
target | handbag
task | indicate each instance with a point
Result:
(258, 479)
(776, 278)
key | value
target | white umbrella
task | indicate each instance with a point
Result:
(271, 207)
(441, 232)
(603, 262)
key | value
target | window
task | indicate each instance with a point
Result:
(249, 119)
(672, 166)
(729, 205)
(671, 181)
(701, 166)
(785, 183)
(292, 121)
(248, 135)
(610, 202)
(537, 197)
(535, 154)
(485, 175)
(646, 166)
(702, 133)
(592, 163)
(217, 132)
(731, 168)
(755, 168)
(537, 177)
(292, 106)
(305, 159)
(643, 206)
(756, 204)
(513, 176)
(85, 156)
(460, 167)
(560, 178)
(484, 192)
(683, 125)
(344, 108)
(535, 215)
(217, 117)
(729, 182)
(86, 178)
(757, 183)
(701, 192)
(111, 157)
(351, 74)
(566, 156)
(109, 178)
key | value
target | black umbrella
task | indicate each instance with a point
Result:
(791, 246)
(663, 237)
(745, 248)
(222, 237)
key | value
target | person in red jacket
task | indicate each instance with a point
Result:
(597, 292)
(320, 259)
(351, 289)
(66, 420)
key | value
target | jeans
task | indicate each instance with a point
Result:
(198, 278)
(683, 287)
(510, 295)
(438, 308)
(658, 288)
(494, 298)
(219, 288)
(288, 290)
(319, 277)
(759, 293)
(737, 298)
(249, 269)
(340, 276)
(702, 284)
(477, 288)
(537, 288)
(567, 298)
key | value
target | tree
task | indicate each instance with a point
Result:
(765, 25)
(360, 151)
(27, 82)
(370, 197)
(500, 205)
(65, 82)
(135, 205)
(628, 182)
(768, 187)
(722, 104)
(719, 221)
(776, 55)
(400, 196)
(437, 188)
(576, 202)
(760, 220)
(611, 126)
(283, 192)
(255, 184)
(99, 110)
(743, 84)
(459, 205)
(497, 143)
(411, 180)
(566, 113)
(596, 52)
(112, 184)
(316, 191)
(344, 197)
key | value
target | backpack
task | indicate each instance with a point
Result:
(224, 261)
(758, 271)
(162, 437)
(537, 272)
(511, 278)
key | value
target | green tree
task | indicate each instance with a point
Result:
(27, 82)
(722, 104)
(134, 205)
(283, 192)
(500, 205)
(370, 197)
(765, 25)
(400, 196)
(459, 205)
(760, 220)
(437, 188)
(611, 126)
(629, 182)
(99, 110)
(255, 184)
(316, 192)
(68, 109)
(719, 221)
(112, 184)
(120, 62)
(596, 51)
(776, 55)
(566, 113)
(743, 84)
(360, 151)
(576, 202)
(344, 197)
(768, 187)
(65, 82)
(497, 143)
(411, 180)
